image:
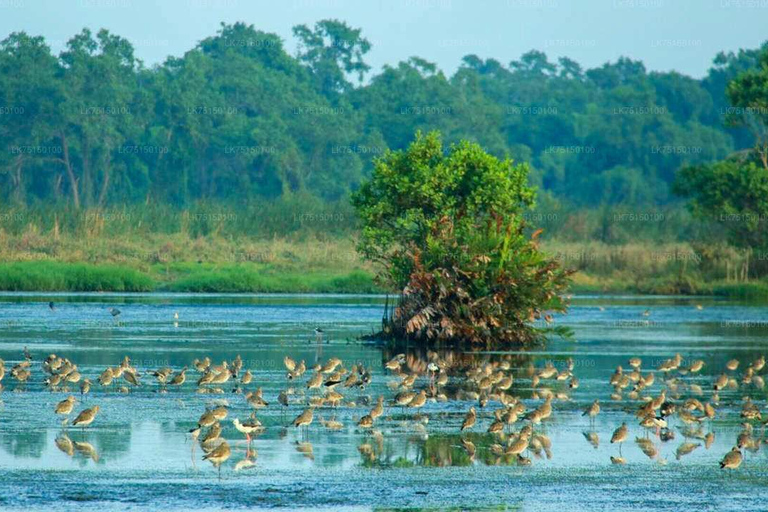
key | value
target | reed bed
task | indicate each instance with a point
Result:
(301, 244)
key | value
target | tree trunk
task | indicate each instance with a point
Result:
(70, 172)
(105, 182)
(87, 182)
(16, 178)
(57, 187)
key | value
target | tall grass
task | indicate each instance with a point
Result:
(676, 268)
(56, 276)
(238, 279)
(296, 215)
(302, 244)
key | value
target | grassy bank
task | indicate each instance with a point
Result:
(58, 276)
(179, 263)
(63, 276)
(37, 261)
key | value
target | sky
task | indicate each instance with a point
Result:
(681, 35)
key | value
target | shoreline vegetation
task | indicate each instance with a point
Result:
(180, 178)
(310, 264)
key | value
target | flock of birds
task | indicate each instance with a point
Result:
(516, 431)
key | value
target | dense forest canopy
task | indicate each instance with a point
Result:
(237, 118)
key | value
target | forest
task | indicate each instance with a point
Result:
(239, 137)
(238, 119)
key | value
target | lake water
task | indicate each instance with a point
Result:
(138, 453)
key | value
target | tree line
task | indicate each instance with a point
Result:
(237, 119)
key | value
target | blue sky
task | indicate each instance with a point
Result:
(682, 35)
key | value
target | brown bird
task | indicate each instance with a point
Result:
(378, 409)
(219, 412)
(282, 398)
(593, 410)
(404, 398)
(732, 459)
(86, 417)
(179, 378)
(470, 419)
(65, 406)
(256, 400)
(212, 435)
(206, 419)
(365, 422)
(619, 436)
(304, 419)
(219, 455)
(85, 387)
(131, 377)
(721, 382)
(315, 381)
(519, 444)
(419, 400)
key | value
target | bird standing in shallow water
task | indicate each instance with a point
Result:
(249, 427)
(592, 411)
(219, 455)
(85, 387)
(282, 399)
(179, 378)
(378, 409)
(419, 400)
(619, 436)
(732, 459)
(65, 406)
(365, 422)
(304, 419)
(86, 417)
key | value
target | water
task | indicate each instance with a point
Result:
(142, 456)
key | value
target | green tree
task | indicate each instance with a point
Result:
(748, 93)
(448, 230)
(734, 193)
(332, 50)
(29, 94)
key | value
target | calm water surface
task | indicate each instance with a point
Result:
(142, 456)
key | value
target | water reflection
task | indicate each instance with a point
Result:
(23, 443)
(426, 396)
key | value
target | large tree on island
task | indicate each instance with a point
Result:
(448, 230)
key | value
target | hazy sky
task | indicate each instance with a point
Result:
(666, 34)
